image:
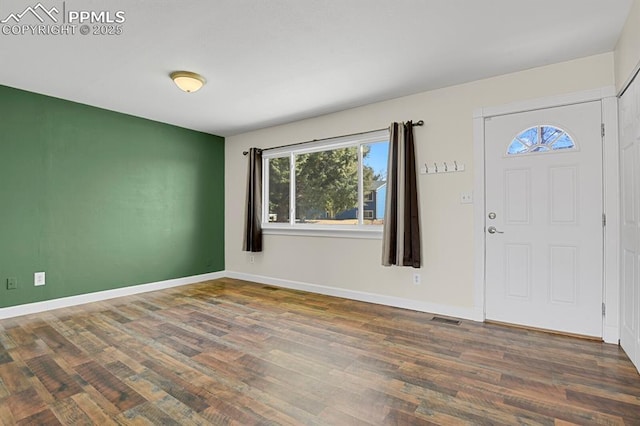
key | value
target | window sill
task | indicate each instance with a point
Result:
(369, 232)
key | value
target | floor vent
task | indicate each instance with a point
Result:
(270, 288)
(445, 320)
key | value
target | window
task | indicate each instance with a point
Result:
(279, 181)
(540, 139)
(325, 184)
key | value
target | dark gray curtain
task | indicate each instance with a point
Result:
(401, 234)
(253, 227)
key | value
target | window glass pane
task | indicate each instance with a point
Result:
(327, 187)
(374, 179)
(279, 179)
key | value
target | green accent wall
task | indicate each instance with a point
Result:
(100, 200)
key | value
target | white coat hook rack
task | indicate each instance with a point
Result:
(441, 167)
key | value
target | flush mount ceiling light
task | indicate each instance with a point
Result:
(188, 81)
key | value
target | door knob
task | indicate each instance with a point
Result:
(493, 230)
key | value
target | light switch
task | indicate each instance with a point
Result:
(466, 198)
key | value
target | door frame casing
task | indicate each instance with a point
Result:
(611, 201)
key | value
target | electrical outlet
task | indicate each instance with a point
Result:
(416, 278)
(38, 278)
(12, 283)
(252, 258)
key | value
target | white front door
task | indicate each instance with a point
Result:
(544, 241)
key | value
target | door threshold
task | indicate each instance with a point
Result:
(545, 330)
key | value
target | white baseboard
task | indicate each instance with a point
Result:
(64, 302)
(398, 302)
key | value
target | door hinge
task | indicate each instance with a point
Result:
(604, 219)
(602, 129)
(604, 309)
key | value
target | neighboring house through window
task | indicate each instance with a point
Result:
(374, 201)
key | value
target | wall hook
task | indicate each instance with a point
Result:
(441, 167)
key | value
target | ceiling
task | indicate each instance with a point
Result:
(277, 61)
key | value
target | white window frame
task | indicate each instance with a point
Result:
(360, 230)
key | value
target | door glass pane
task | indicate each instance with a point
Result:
(517, 147)
(563, 142)
(529, 136)
(549, 134)
(540, 139)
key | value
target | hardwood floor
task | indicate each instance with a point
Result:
(230, 352)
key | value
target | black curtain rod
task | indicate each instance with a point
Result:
(417, 123)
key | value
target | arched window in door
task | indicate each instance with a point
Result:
(543, 138)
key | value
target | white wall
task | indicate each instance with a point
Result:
(447, 226)
(627, 53)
